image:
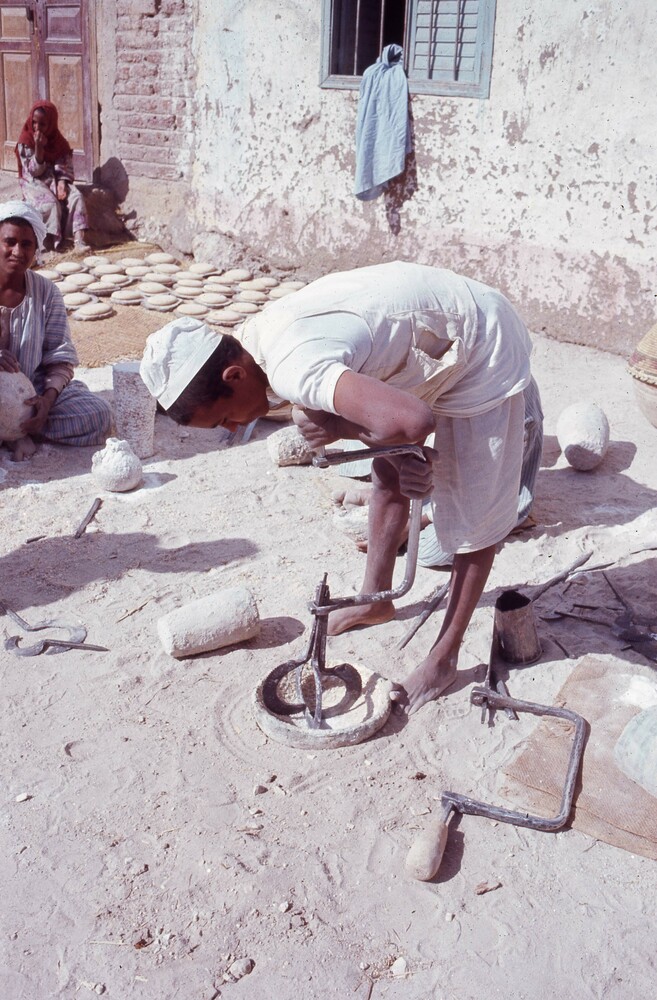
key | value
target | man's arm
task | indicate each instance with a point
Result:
(369, 411)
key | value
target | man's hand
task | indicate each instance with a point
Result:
(317, 427)
(415, 476)
(8, 362)
(40, 143)
(42, 407)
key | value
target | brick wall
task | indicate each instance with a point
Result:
(154, 86)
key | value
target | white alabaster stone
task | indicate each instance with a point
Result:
(15, 388)
(116, 467)
(220, 619)
(583, 435)
(288, 447)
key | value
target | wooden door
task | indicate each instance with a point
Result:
(45, 53)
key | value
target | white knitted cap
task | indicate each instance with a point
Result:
(174, 355)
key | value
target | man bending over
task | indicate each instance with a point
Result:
(386, 354)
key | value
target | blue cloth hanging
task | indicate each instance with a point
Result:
(383, 128)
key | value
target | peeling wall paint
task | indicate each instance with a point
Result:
(547, 189)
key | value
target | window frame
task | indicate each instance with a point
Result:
(439, 88)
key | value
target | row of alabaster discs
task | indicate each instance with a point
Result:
(92, 288)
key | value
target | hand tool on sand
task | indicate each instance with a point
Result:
(76, 635)
(432, 603)
(434, 600)
(426, 853)
(638, 632)
(301, 705)
(514, 640)
(88, 517)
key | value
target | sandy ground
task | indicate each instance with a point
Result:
(137, 858)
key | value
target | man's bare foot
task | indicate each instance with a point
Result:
(364, 614)
(22, 449)
(352, 496)
(428, 681)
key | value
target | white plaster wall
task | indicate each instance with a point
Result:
(547, 189)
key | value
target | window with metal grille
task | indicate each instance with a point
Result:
(448, 44)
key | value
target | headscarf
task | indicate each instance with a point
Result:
(57, 148)
(21, 210)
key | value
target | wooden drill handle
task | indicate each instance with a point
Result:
(426, 853)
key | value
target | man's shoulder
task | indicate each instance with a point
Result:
(44, 287)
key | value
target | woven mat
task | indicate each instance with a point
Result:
(118, 338)
(608, 805)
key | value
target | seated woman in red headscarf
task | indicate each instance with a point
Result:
(45, 171)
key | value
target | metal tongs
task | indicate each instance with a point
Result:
(76, 636)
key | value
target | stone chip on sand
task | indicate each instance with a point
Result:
(14, 389)
(240, 967)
